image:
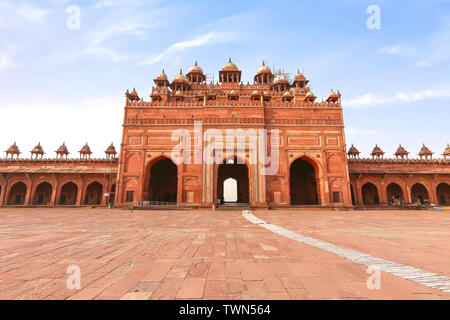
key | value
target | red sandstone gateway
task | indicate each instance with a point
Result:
(305, 138)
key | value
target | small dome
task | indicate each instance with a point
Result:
(230, 66)
(353, 151)
(299, 76)
(332, 94)
(425, 151)
(287, 94)
(38, 149)
(233, 93)
(111, 149)
(180, 78)
(62, 149)
(195, 69)
(86, 149)
(401, 151)
(178, 93)
(162, 76)
(447, 151)
(263, 69)
(13, 149)
(256, 93)
(377, 151)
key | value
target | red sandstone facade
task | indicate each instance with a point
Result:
(224, 121)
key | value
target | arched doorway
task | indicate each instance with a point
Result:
(68, 194)
(43, 194)
(94, 193)
(443, 193)
(163, 184)
(394, 194)
(303, 183)
(17, 194)
(237, 171)
(419, 193)
(370, 194)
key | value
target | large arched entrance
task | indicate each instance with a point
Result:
(419, 193)
(370, 194)
(17, 194)
(94, 193)
(303, 183)
(443, 193)
(43, 194)
(394, 194)
(237, 171)
(68, 194)
(163, 184)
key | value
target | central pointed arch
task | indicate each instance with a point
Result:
(236, 169)
(303, 182)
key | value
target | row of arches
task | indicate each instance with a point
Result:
(43, 194)
(233, 182)
(395, 194)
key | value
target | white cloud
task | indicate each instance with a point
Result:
(30, 13)
(369, 99)
(203, 40)
(114, 3)
(398, 49)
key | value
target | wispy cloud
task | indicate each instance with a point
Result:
(398, 49)
(11, 13)
(203, 40)
(401, 97)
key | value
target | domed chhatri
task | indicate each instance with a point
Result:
(299, 81)
(180, 82)
(447, 152)
(377, 152)
(13, 151)
(133, 96)
(111, 151)
(162, 80)
(353, 152)
(85, 152)
(333, 96)
(62, 151)
(37, 151)
(401, 152)
(263, 75)
(230, 66)
(230, 73)
(195, 74)
(310, 97)
(425, 152)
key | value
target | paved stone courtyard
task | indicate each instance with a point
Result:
(200, 254)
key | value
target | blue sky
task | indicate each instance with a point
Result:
(59, 84)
